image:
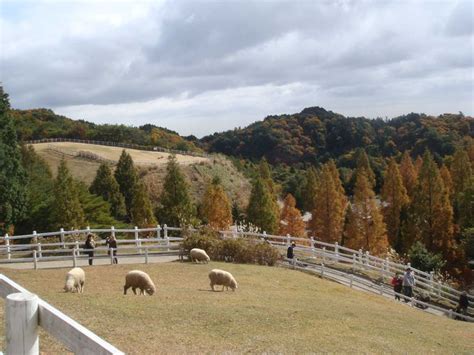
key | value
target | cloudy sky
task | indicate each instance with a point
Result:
(198, 67)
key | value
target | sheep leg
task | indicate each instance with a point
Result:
(125, 288)
(82, 287)
(212, 286)
(134, 289)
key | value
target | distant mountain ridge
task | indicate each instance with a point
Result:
(310, 137)
(315, 135)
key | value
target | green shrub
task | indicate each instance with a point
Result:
(421, 258)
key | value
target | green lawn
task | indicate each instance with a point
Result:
(274, 310)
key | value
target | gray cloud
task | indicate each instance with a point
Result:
(102, 60)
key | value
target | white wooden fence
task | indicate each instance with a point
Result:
(25, 312)
(158, 242)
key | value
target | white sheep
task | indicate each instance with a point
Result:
(139, 279)
(199, 255)
(75, 280)
(224, 278)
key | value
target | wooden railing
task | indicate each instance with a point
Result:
(160, 243)
(26, 312)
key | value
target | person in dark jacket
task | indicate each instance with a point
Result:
(463, 303)
(89, 246)
(112, 243)
(289, 252)
(397, 285)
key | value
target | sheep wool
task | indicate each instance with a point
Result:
(139, 279)
(224, 278)
(197, 254)
(75, 280)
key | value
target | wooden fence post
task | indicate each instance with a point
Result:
(353, 262)
(431, 280)
(361, 261)
(324, 255)
(21, 323)
(7, 243)
(146, 255)
(112, 231)
(165, 231)
(158, 231)
(111, 251)
(74, 257)
(322, 270)
(367, 258)
(311, 240)
(35, 260)
(288, 240)
(351, 280)
(137, 242)
(40, 253)
(336, 251)
(61, 237)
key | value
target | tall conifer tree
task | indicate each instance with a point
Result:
(461, 173)
(327, 220)
(291, 221)
(408, 173)
(141, 211)
(216, 208)
(106, 186)
(176, 207)
(434, 213)
(261, 210)
(395, 199)
(67, 211)
(13, 181)
(127, 178)
(309, 193)
(365, 228)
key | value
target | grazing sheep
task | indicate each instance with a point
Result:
(199, 255)
(224, 278)
(75, 280)
(139, 279)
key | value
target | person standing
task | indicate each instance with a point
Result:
(463, 304)
(289, 252)
(408, 283)
(112, 244)
(90, 246)
(397, 286)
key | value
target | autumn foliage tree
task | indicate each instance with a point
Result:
(216, 208)
(408, 173)
(395, 198)
(433, 210)
(365, 228)
(327, 220)
(291, 221)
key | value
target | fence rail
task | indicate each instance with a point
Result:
(121, 145)
(160, 242)
(71, 334)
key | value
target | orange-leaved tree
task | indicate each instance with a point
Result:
(291, 221)
(216, 207)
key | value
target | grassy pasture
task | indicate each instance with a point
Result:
(274, 310)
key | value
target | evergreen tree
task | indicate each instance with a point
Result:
(141, 212)
(466, 206)
(408, 173)
(96, 210)
(434, 213)
(309, 193)
(216, 207)
(13, 194)
(261, 210)
(266, 175)
(127, 178)
(327, 220)
(291, 221)
(395, 198)
(106, 186)
(67, 211)
(176, 206)
(40, 187)
(365, 228)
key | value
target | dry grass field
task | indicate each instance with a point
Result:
(275, 310)
(152, 166)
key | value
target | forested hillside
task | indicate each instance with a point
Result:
(44, 123)
(316, 135)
